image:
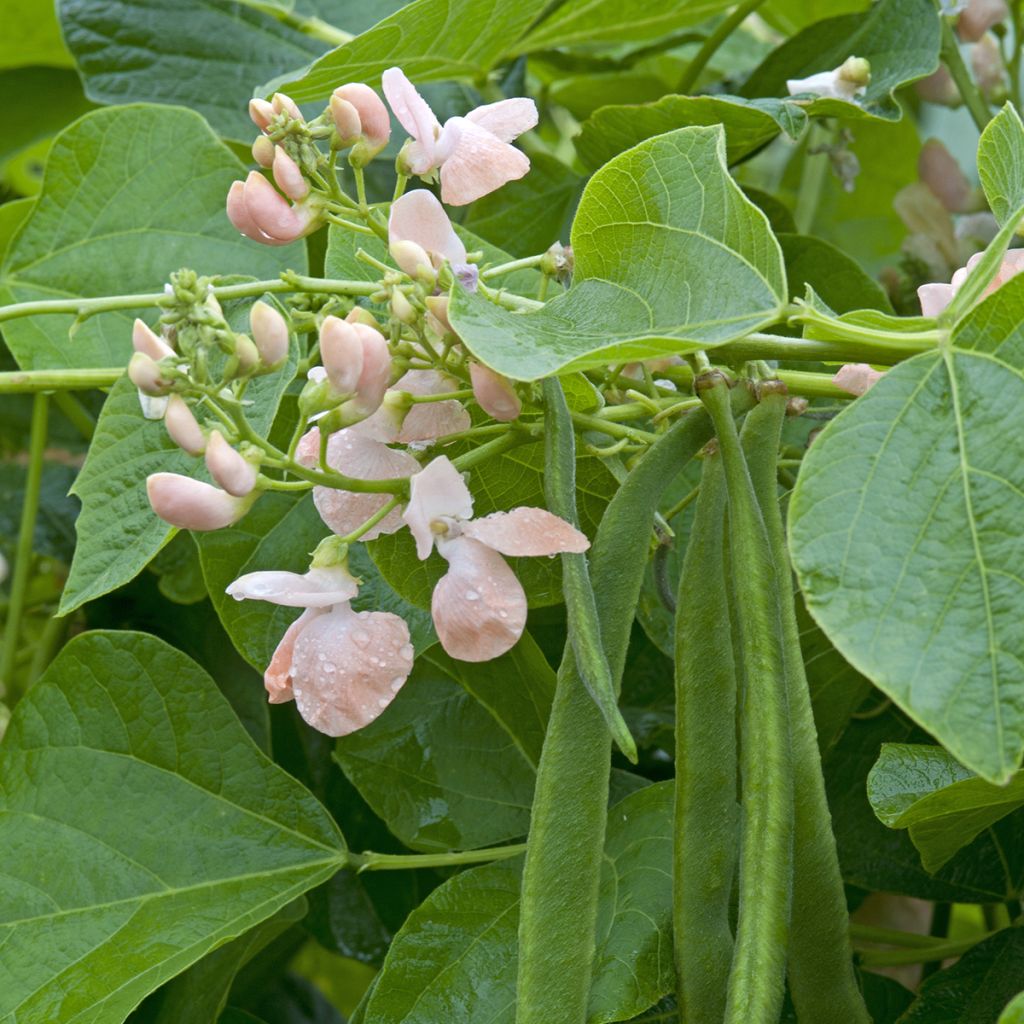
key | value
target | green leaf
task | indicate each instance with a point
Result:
(1014, 1012)
(900, 39)
(665, 210)
(944, 806)
(118, 532)
(169, 174)
(616, 21)
(748, 124)
(789, 16)
(904, 536)
(875, 857)
(1001, 163)
(976, 988)
(836, 277)
(31, 35)
(466, 931)
(142, 829)
(526, 216)
(207, 56)
(431, 40)
(54, 534)
(12, 215)
(438, 768)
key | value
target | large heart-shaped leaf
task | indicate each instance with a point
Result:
(1001, 163)
(130, 195)
(455, 957)
(900, 39)
(944, 806)
(904, 530)
(431, 40)
(141, 828)
(670, 257)
(748, 124)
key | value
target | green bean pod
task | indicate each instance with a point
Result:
(580, 605)
(822, 981)
(558, 911)
(705, 829)
(757, 978)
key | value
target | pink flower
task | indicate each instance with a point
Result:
(935, 298)
(856, 378)
(358, 363)
(479, 606)
(193, 505)
(359, 113)
(182, 426)
(421, 238)
(978, 17)
(269, 332)
(494, 393)
(342, 667)
(472, 152)
(264, 215)
(231, 470)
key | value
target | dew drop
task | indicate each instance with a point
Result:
(406, 652)
(502, 614)
(330, 667)
(382, 702)
(396, 683)
(472, 595)
(361, 638)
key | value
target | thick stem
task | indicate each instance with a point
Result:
(23, 552)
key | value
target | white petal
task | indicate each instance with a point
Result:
(317, 588)
(411, 109)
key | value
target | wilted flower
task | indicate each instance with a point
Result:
(472, 152)
(479, 606)
(341, 667)
(845, 82)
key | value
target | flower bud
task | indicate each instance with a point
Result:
(263, 151)
(233, 472)
(283, 104)
(288, 176)
(401, 308)
(494, 393)
(341, 352)
(376, 371)
(855, 70)
(938, 169)
(987, 65)
(346, 120)
(317, 395)
(438, 307)
(359, 315)
(269, 332)
(146, 341)
(144, 373)
(182, 426)
(240, 217)
(374, 121)
(939, 87)
(262, 113)
(979, 17)
(413, 259)
(192, 504)
(247, 354)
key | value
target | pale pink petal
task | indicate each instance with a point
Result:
(414, 114)
(428, 421)
(374, 121)
(288, 176)
(269, 332)
(526, 532)
(934, 298)
(494, 393)
(479, 607)
(347, 667)
(507, 119)
(419, 217)
(146, 341)
(182, 427)
(939, 170)
(282, 103)
(356, 455)
(316, 588)
(270, 211)
(233, 472)
(376, 368)
(192, 504)
(479, 164)
(979, 17)
(239, 216)
(436, 493)
(856, 378)
(277, 679)
(261, 112)
(346, 119)
(341, 351)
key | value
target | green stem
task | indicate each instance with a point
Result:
(497, 446)
(370, 861)
(713, 42)
(287, 282)
(612, 429)
(21, 382)
(969, 91)
(507, 299)
(77, 414)
(892, 936)
(370, 523)
(812, 180)
(46, 644)
(23, 552)
(923, 954)
(315, 28)
(866, 348)
(1013, 66)
(507, 268)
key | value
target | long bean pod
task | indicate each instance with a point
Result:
(705, 829)
(580, 604)
(822, 981)
(563, 861)
(756, 980)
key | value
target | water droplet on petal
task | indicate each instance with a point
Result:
(472, 595)
(406, 652)
(396, 683)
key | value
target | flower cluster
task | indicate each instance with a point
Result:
(378, 397)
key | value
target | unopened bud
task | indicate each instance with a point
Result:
(247, 354)
(182, 426)
(856, 378)
(346, 120)
(263, 151)
(376, 372)
(233, 472)
(262, 113)
(288, 176)
(979, 17)
(146, 341)
(283, 104)
(987, 65)
(938, 169)
(438, 307)
(144, 373)
(269, 332)
(939, 88)
(374, 120)
(341, 352)
(413, 259)
(855, 70)
(558, 261)
(359, 315)
(402, 309)
(494, 393)
(192, 504)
